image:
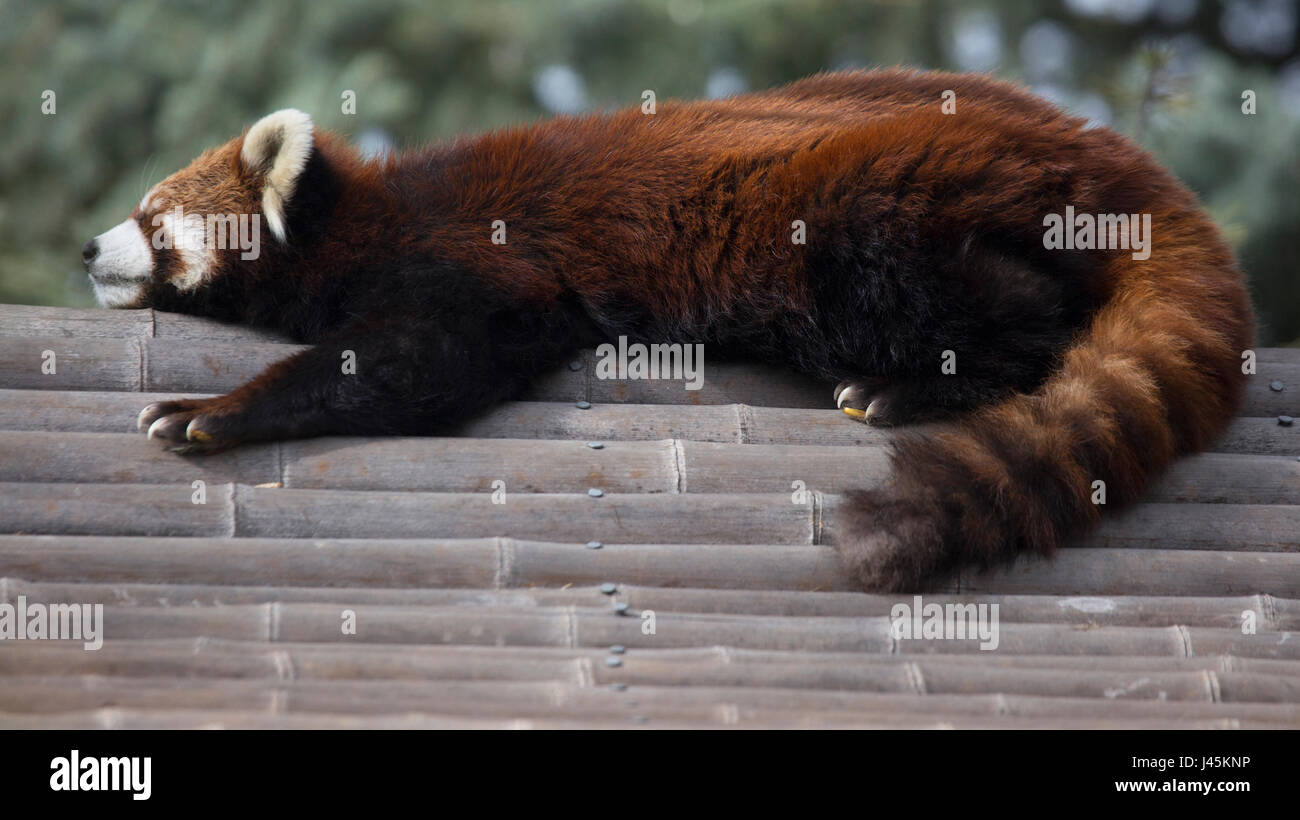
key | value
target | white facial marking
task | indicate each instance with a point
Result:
(188, 237)
(123, 267)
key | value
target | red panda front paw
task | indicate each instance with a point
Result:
(187, 425)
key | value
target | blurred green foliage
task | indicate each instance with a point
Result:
(143, 86)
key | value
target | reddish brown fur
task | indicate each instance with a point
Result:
(685, 217)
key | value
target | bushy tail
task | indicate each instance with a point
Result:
(1157, 374)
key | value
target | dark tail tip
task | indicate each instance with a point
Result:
(890, 539)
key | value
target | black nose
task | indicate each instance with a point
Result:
(89, 251)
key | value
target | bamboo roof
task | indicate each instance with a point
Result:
(622, 498)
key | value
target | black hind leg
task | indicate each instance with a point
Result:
(999, 315)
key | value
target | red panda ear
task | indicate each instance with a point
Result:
(278, 146)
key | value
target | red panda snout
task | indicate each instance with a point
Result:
(120, 264)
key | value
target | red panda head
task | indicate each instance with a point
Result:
(205, 219)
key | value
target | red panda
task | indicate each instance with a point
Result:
(928, 284)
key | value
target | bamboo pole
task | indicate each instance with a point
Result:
(287, 660)
(507, 564)
(115, 412)
(927, 676)
(1269, 613)
(149, 510)
(555, 466)
(512, 699)
(40, 320)
(757, 518)
(600, 627)
(171, 719)
(163, 364)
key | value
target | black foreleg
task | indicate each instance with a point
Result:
(414, 377)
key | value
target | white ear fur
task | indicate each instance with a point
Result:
(280, 144)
